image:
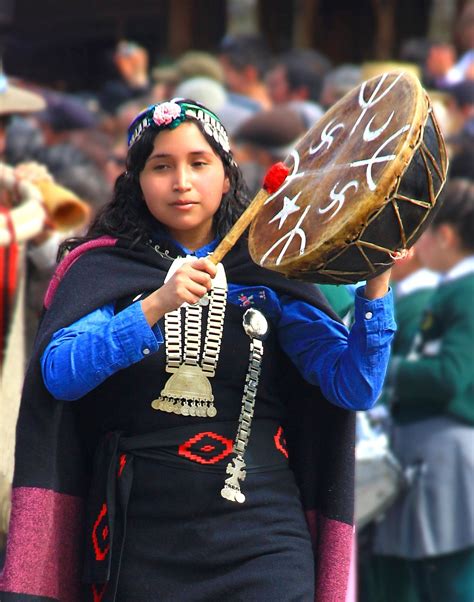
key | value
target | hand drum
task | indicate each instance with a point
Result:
(361, 186)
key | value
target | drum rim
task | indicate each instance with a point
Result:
(316, 257)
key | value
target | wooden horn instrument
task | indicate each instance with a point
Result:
(65, 209)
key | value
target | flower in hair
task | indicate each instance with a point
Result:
(165, 113)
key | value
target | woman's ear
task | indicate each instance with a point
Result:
(226, 186)
(447, 236)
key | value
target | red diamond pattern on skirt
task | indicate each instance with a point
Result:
(101, 548)
(206, 448)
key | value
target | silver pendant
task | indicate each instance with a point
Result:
(231, 490)
(188, 391)
(256, 327)
(211, 411)
(188, 385)
(255, 324)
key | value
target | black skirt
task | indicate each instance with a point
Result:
(182, 542)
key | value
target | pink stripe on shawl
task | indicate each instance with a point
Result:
(352, 586)
(66, 263)
(43, 555)
(333, 544)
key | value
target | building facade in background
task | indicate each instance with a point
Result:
(70, 43)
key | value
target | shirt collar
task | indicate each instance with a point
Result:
(161, 232)
(201, 252)
(421, 279)
(464, 267)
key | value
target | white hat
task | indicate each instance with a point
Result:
(207, 91)
(17, 100)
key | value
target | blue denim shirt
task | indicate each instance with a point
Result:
(349, 366)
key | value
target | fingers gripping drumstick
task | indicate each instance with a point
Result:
(273, 180)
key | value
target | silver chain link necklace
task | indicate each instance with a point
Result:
(188, 391)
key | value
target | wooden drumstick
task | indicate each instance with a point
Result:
(273, 180)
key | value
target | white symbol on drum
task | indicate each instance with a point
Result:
(296, 231)
(338, 198)
(374, 99)
(289, 207)
(327, 137)
(370, 135)
(376, 159)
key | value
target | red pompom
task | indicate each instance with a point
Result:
(275, 177)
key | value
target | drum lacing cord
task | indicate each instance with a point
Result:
(397, 255)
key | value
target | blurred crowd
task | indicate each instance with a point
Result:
(266, 102)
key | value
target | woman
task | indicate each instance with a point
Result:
(184, 502)
(425, 544)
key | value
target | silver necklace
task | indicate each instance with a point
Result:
(188, 391)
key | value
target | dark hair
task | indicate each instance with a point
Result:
(457, 209)
(127, 215)
(246, 49)
(305, 68)
(461, 164)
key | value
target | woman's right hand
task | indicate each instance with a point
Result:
(188, 284)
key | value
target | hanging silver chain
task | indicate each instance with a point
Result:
(256, 327)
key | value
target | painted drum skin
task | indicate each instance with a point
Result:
(361, 187)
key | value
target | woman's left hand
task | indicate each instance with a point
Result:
(378, 286)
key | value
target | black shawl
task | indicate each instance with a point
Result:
(43, 560)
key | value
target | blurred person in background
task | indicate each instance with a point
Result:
(65, 133)
(296, 78)
(338, 82)
(13, 101)
(413, 286)
(464, 40)
(199, 75)
(43, 146)
(245, 59)
(416, 51)
(191, 64)
(205, 90)
(460, 138)
(448, 64)
(131, 78)
(440, 59)
(462, 161)
(216, 96)
(428, 534)
(463, 108)
(265, 139)
(116, 162)
(58, 144)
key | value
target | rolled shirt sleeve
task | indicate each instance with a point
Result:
(348, 366)
(83, 355)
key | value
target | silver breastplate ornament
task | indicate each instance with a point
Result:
(188, 391)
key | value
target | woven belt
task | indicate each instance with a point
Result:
(193, 447)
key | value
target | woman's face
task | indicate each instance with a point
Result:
(183, 181)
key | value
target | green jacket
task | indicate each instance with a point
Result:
(408, 314)
(438, 377)
(339, 298)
